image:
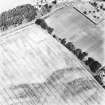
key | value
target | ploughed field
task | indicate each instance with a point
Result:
(35, 69)
(75, 27)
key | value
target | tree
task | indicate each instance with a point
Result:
(43, 24)
(70, 46)
(99, 79)
(16, 16)
(54, 36)
(84, 54)
(89, 61)
(17, 20)
(50, 30)
(54, 2)
(93, 65)
(31, 13)
(101, 73)
(78, 53)
(63, 41)
(38, 21)
(46, 6)
(81, 55)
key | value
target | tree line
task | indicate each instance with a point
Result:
(93, 64)
(43, 24)
(22, 14)
(16, 16)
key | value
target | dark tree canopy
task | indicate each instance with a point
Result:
(54, 36)
(99, 80)
(63, 41)
(93, 64)
(78, 52)
(89, 61)
(16, 16)
(84, 54)
(70, 46)
(54, 2)
(38, 21)
(50, 30)
(42, 23)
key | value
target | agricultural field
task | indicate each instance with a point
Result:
(75, 27)
(36, 69)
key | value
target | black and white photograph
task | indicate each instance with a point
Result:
(52, 52)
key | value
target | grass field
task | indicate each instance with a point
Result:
(72, 25)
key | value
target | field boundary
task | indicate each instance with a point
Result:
(85, 16)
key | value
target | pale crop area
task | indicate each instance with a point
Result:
(36, 69)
